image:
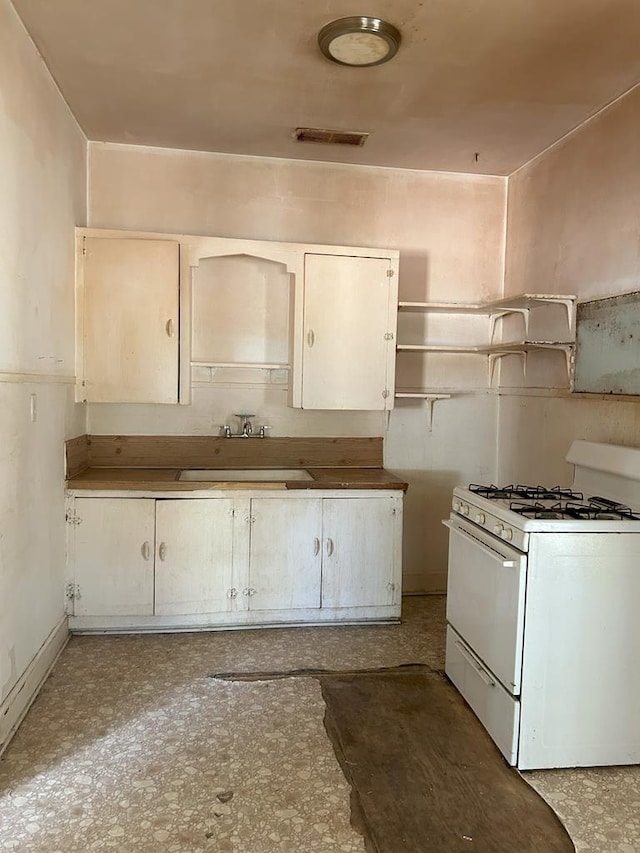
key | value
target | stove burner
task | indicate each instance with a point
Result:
(555, 493)
(600, 509)
(605, 502)
(496, 493)
(537, 510)
(589, 510)
(532, 493)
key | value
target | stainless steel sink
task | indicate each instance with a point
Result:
(243, 475)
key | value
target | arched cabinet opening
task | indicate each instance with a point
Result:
(240, 313)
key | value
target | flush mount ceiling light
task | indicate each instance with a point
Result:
(359, 41)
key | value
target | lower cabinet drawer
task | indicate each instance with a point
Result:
(497, 710)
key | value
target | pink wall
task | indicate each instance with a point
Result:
(573, 227)
(42, 198)
(449, 227)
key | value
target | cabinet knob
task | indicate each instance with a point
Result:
(146, 550)
(330, 547)
(311, 338)
(162, 551)
(169, 327)
(316, 547)
(232, 593)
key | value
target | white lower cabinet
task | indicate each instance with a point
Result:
(285, 561)
(360, 552)
(112, 545)
(194, 554)
(146, 556)
(145, 563)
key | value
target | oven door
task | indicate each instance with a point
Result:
(485, 598)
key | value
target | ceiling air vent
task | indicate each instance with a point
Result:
(330, 137)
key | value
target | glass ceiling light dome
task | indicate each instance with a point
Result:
(359, 41)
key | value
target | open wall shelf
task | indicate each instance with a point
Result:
(496, 309)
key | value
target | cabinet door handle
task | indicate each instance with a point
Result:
(329, 547)
(162, 551)
(316, 547)
(146, 550)
(311, 338)
(169, 327)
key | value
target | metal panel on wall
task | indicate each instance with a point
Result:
(608, 345)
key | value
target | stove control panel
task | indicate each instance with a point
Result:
(491, 523)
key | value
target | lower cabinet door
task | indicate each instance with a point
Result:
(360, 560)
(194, 543)
(112, 545)
(285, 554)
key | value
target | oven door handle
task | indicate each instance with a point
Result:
(506, 564)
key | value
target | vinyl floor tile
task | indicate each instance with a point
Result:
(132, 747)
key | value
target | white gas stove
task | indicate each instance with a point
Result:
(543, 634)
(512, 512)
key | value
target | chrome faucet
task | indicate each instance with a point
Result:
(246, 428)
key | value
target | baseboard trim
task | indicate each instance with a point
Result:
(22, 694)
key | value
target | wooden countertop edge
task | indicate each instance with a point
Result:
(324, 478)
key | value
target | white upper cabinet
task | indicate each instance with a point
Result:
(151, 307)
(128, 310)
(348, 346)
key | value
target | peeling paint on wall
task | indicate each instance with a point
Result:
(608, 345)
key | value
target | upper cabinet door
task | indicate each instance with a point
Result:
(129, 309)
(348, 356)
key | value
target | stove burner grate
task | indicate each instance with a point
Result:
(587, 510)
(600, 509)
(536, 510)
(531, 493)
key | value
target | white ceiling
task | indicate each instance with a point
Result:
(502, 79)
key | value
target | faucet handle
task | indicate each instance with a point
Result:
(226, 430)
(262, 432)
